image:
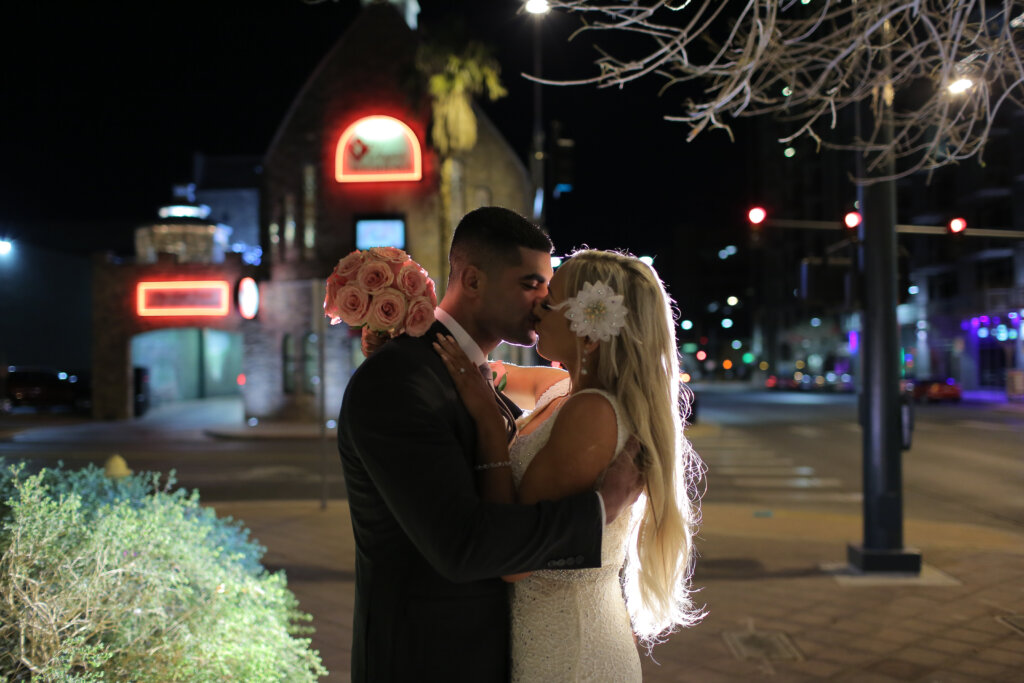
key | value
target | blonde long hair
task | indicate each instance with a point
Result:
(640, 366)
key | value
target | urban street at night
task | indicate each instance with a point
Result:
(366, 340)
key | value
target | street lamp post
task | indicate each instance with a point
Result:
(538, 8)
(882, 548)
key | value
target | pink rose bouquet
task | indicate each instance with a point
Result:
(383, 289)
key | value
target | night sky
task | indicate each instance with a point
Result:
(104, 109)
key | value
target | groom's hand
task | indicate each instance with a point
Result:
(622, 482)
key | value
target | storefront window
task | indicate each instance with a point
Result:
(288, 363)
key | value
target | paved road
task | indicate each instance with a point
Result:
(805, 450)
(766, 448)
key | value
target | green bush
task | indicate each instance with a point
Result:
(116, 580)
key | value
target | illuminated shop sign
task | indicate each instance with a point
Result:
(183, 298)
(248, 295)
(378, 149)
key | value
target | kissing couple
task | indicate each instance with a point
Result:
(496, 544)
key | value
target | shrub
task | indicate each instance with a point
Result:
(111, 580)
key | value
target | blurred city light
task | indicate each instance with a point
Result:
(732, 301)
(556, 261)
(648, 260)
(960, 86)
(787, 91)
(852, 219)
(789, 152)
(763, 365)
(757, 215)
(686, 324)
(538, 6)
(737, 344)
(5, 247)
(726, 323)
(957, 226)
(913, 289)
(748, 358)
(815, 322)
(726, 364)
(702, 354)
(252, 421)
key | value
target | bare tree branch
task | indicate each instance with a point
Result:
(804, 61)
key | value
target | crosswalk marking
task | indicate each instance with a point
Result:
(787, 482)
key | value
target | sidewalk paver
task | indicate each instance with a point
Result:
(774, 613)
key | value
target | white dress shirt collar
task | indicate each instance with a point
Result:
(462, 338)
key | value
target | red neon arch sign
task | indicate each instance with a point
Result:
(378, 149)
(183, 298)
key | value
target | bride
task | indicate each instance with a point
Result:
(607, 320)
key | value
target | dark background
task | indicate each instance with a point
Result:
(104, 109)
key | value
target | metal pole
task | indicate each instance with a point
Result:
(882, 549)
(321, 340)
(537, 148)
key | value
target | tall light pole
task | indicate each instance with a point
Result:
(538, 8)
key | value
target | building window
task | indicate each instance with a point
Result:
(288, 363)
(380, 231)
(308, 210)
(289, 224)
(311, 363)
(995, 273)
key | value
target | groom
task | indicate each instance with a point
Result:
(427, 548)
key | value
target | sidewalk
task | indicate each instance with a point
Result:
(776, 610)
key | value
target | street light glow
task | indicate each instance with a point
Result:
(5, 247)
(538, 6)
(960, 86)
(732, 301)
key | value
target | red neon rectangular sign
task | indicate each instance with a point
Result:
(183, 298)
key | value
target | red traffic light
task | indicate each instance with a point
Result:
(852, 220)
(957, 226)
(757, 215)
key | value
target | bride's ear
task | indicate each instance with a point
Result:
(590, 345)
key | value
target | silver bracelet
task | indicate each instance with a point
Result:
(493, 465)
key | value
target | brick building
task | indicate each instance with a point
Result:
(350, 166)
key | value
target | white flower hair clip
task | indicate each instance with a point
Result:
(596, 312)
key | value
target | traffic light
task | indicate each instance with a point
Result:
(756, 215)
(957, 226)
(852, 220)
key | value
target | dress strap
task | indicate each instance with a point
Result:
(622, 432)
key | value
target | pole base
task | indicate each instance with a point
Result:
(905, 560)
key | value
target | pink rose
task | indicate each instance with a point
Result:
(349, 266)
(411, 280)
(389, 254)
(375, 276)
(351, 304)
(431, 293)
(387, 311)
(419, 318)
(334, 284)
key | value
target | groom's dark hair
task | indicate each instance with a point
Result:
(488, 238)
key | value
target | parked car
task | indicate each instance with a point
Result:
(935, 389)
(40, 388)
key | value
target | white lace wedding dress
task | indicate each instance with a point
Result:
(572, 625)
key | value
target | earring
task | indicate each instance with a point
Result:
(583, 363)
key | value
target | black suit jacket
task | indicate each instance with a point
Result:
(428, 606)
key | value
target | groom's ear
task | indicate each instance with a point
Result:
(473, 280)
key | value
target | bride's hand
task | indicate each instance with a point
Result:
(471, 385)
(372, 341)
